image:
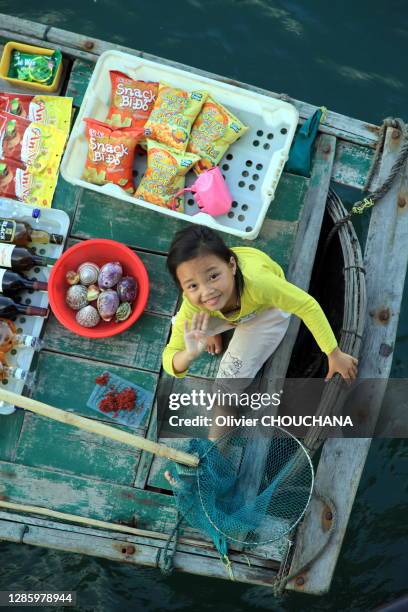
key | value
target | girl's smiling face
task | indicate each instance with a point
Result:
(209, 282)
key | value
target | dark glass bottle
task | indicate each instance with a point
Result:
(9, 308)
(12, 283)
(20, 259)
(21, 233)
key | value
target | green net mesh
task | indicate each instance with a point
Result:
(234, 497)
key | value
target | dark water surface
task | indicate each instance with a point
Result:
(351, 57)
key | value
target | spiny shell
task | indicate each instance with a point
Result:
(76, 297)
(92, 293)
(123, 312)
(107, 304)
(72, 277)
(88, 316)
(88, 273)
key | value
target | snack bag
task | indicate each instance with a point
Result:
(51, 110)
(32, 143)
(110, 154)
(165, 175)
(34, 68)
(24, 183)
(214, 130)
(173, 115)
(132, 101)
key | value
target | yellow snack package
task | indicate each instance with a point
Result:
(51, 110)
(214, 130)
(25, 183)
(173, 115)
(165, 175)
(32, 143)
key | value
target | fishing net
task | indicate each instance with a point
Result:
(234, 499)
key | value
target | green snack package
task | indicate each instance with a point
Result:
(34, 68)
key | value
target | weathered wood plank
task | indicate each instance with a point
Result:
(48, 444)
(139, 347)
(23, 26)
(79, 77)
(9, 434)
(351, 164)
(69, 52)
(342, 461)
(66, 197)
(58, 378)
(141, 538)
(105, 501)
(118, 549)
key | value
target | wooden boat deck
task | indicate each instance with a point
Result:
(51, 465)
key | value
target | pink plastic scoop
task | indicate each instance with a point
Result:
(211, 193)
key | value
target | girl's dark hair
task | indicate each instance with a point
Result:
(196, 240)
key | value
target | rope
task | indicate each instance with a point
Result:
(280, 582)
(361, 205)
(166, 563)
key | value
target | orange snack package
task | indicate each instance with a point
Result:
(110, 154)
(165, 175)
(214, 130)
(173, 115)
(132, 101)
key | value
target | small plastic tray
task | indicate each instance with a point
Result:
(51, 220)
(5, 65)
(252, 166)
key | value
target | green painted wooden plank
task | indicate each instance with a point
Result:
(67, 382)
(351, 164)
(140, 347)
(48, 444)
(106, 217)
(163, 293)
(81, 73)
(87, 497)
(66, 197)
(10, 427)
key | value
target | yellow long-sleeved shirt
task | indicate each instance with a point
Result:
(265, 287)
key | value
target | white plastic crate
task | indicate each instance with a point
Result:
(53, 221)
(252, 166)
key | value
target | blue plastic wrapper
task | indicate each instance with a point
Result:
(131, 418)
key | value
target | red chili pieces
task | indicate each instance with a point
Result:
(103, 379)
(114, 400)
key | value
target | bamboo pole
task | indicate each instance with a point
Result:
(98, 428)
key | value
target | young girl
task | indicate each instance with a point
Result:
(243, 289)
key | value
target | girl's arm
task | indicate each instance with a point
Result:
(288, 297)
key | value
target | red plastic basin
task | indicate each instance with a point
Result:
(100, 252)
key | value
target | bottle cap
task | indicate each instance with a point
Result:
(36, 214)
